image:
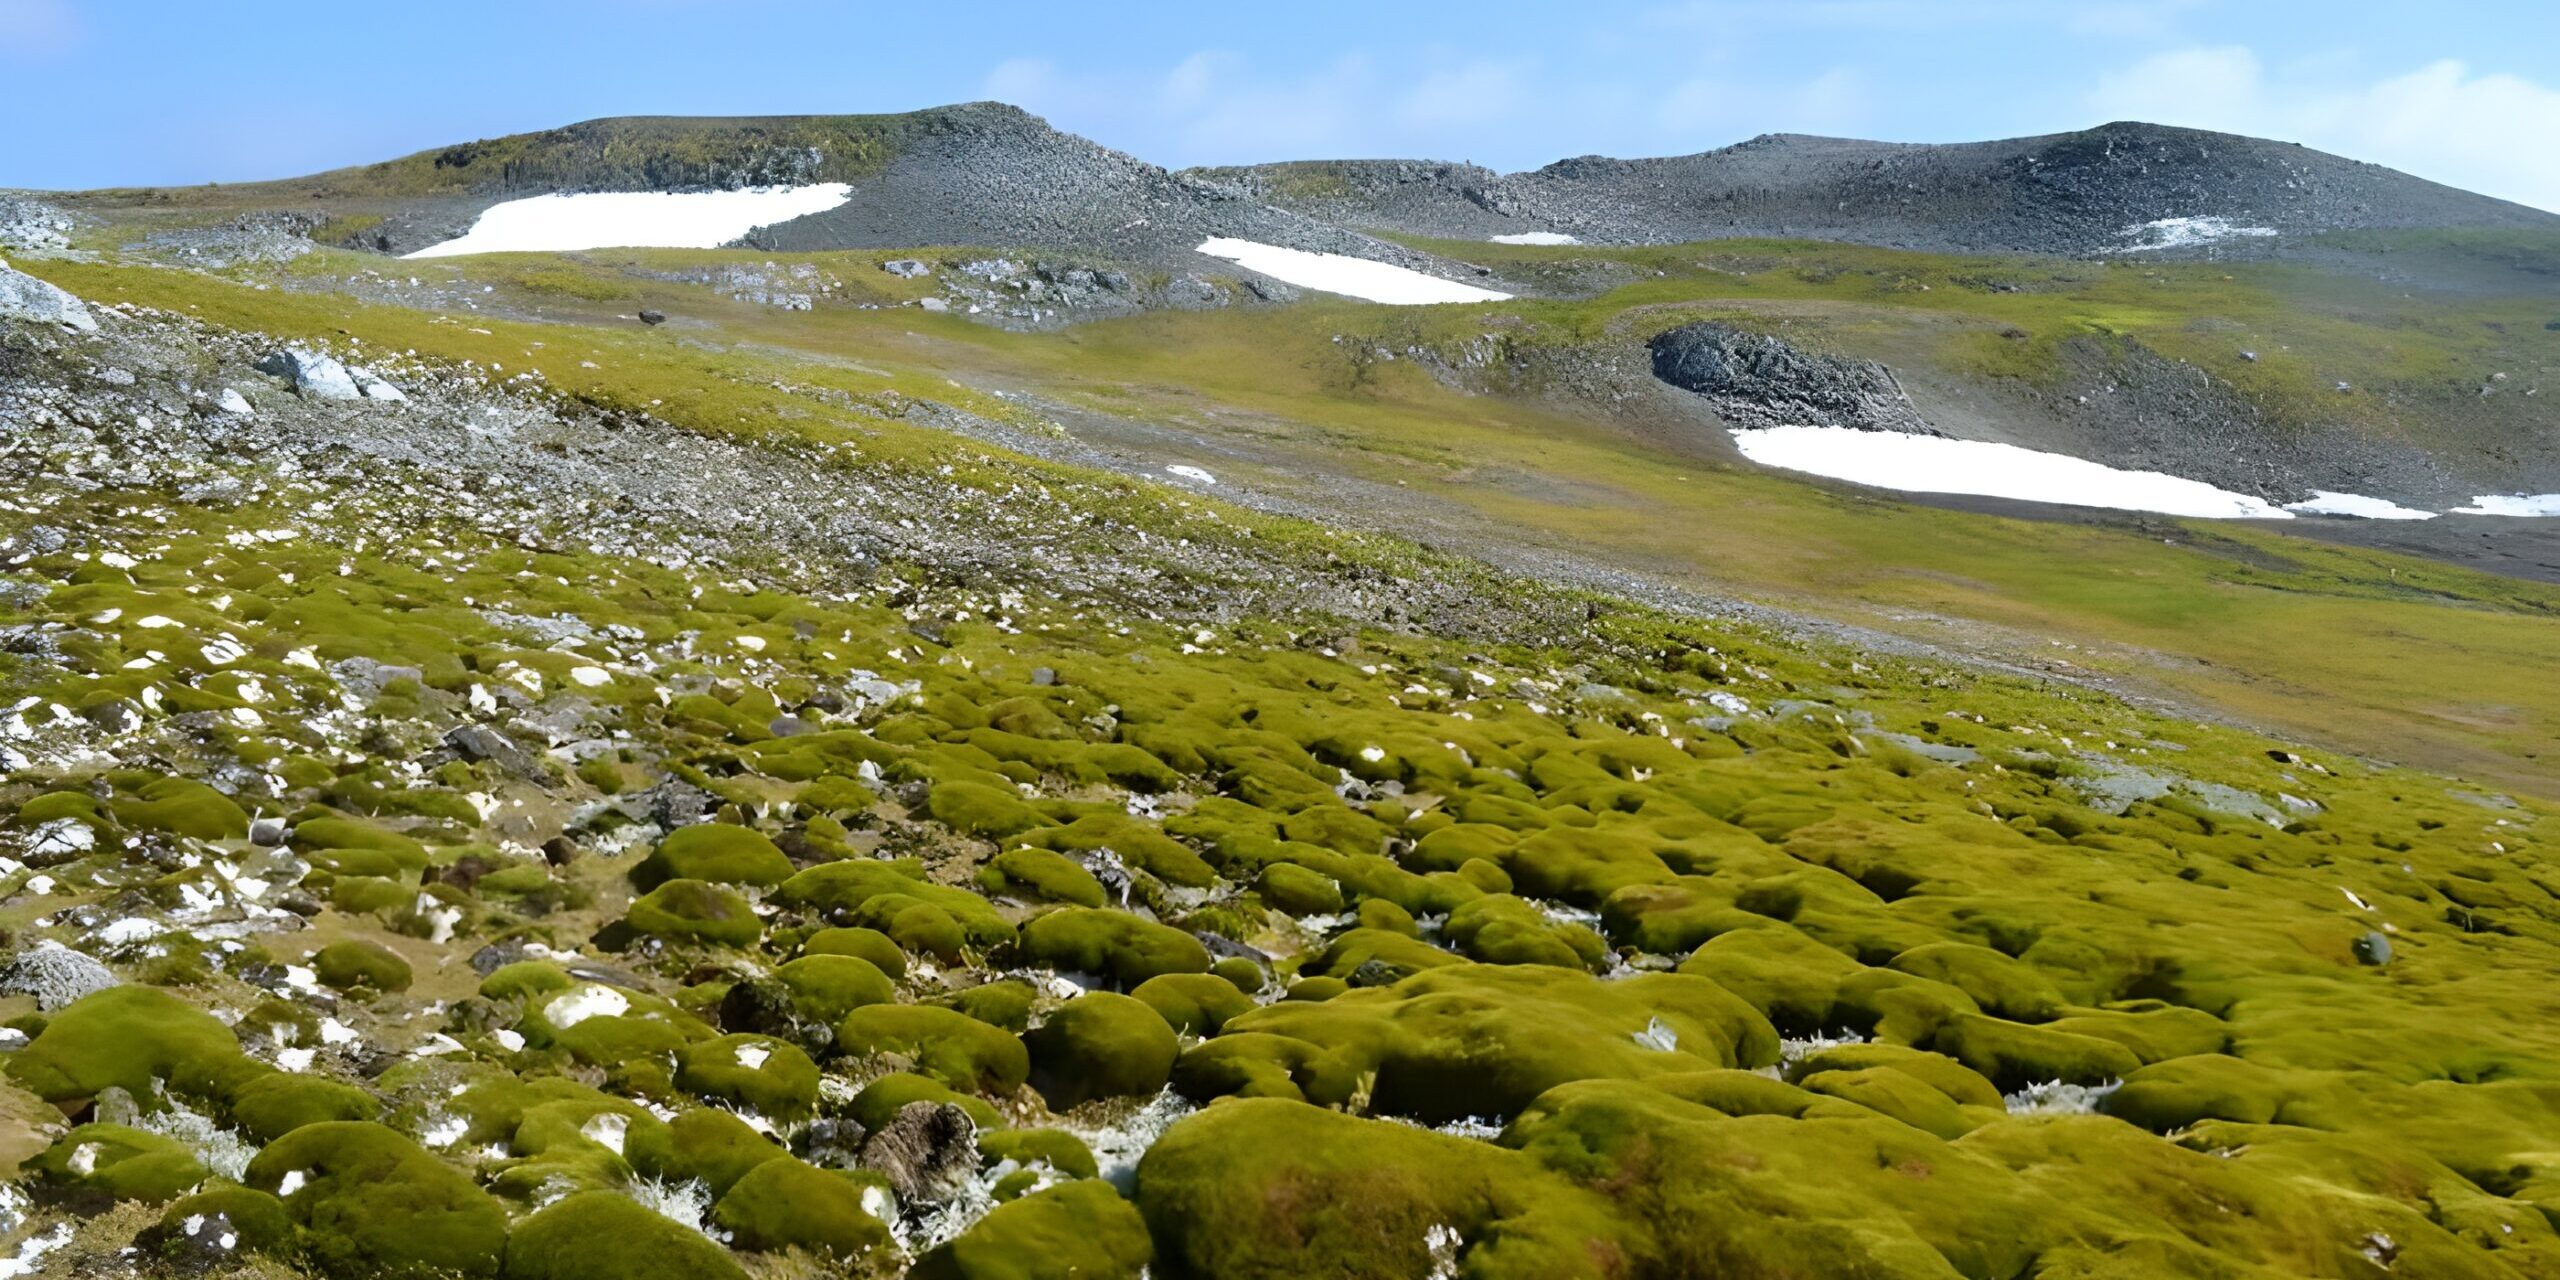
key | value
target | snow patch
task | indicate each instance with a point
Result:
(573, 1007)
(1189, 472)
(1933, 464)
(2513, 504)
(636, 219)
(1348, 276)
(2323, 502)
(2186, 233)
(1536, 237)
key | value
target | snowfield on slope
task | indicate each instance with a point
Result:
(1536, 237)
(2513, 504)
(2324, 502)
(636, 219)
(1932, 464)
(2186, 233)
(1348, 276)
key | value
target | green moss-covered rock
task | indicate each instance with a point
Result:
(2002, 986)
(706, 1143)
(1195, 1004)
(1080, 1229)
(881, 1100)
(771, 1077)
(183, 807)
(128, 1164)
(949, 1046)
(1056, 1148)
(862, 944)
(369, 1201)
(982, 810)
(697, 912)
(605, 1235)
(880, 892)
(1100, 1045)
(2013, 1055)
(1267, 1188)
(1791, 979)
(1244, 975)
(1006, 1004)
(358, 965)
(129, 1037)
(258, 1221)
(785, 1204)
(1112, 944)
(1298, 891)
(1483, 1040)
(271, 1106)
(1245, 1064)
(824, 988)
(1042, 873)
(715, 853)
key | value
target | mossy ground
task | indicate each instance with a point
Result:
(1699, 948)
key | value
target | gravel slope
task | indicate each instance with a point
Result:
(2069, 193)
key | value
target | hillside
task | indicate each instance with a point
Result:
(983, 174)
(967, 739)
(2101, 190)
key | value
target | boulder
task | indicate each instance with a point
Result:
(312, 373)
(25, 298)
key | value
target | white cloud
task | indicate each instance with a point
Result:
(2443, 121)
(2115, 19)
(38, 28)
(1705, 111)
(1216, 107)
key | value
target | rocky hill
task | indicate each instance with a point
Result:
(2113, 188)
(983, 174)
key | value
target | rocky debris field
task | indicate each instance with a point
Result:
(466, 831)
(2118, 188)
(1755, 380)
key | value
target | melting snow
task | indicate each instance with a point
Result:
(1348, 276)
(636, 219)
(1932, 464)
(1536, 237)
(2325, 503)
(574, 1007)
(2513, 504)
(2186, 233)
(1190, 473)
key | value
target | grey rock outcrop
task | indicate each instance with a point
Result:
(1758, 381)
(32, 301)
(55, 976)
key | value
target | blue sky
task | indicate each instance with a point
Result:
(179, 91)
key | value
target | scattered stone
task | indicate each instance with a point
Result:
(236, 404)
(2373, 949)
(908, 268)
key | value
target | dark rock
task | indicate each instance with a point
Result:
(653, 318)
(2373, 949)
(480, 742)
(1759, 381)
(927, 1152)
